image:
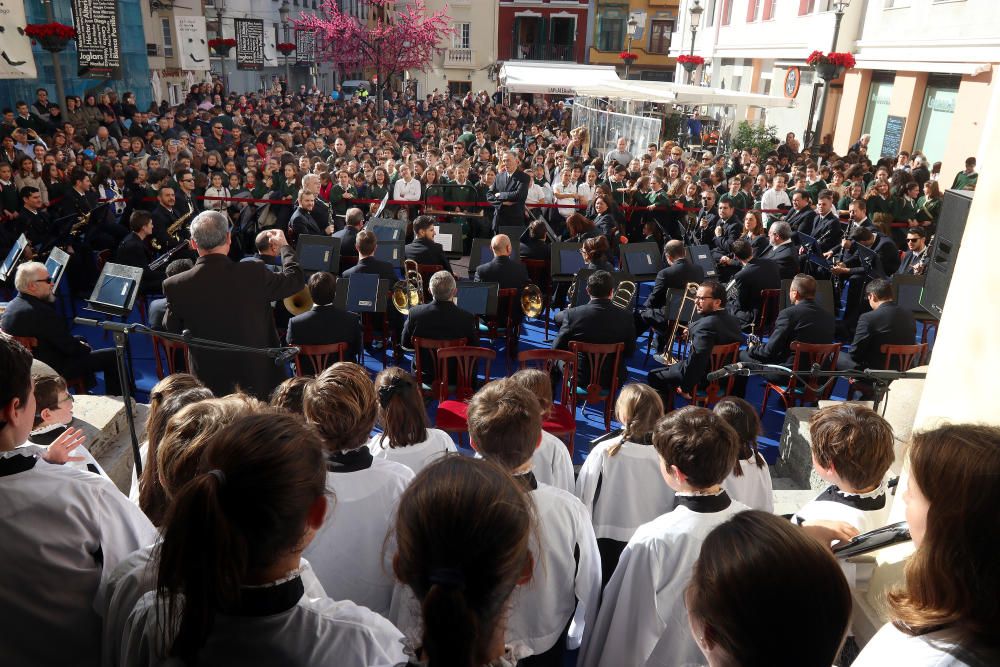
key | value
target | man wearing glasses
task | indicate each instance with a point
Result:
(916, 257)
(186, 203)
(32, 314)
(707, 219)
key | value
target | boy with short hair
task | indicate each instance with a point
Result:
(643, 618)
(551, 462)
(505, 425)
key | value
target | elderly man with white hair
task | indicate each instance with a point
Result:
(32, 314)
(439, 319)
(321, 211)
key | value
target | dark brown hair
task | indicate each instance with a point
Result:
(855, 441)
(505, 423)
(15, 373)
(401, 414)
(463, 532)
(758, 567)
(47, 388)
(952, 579)
(702, 445)
(342, 403)
(743, 418)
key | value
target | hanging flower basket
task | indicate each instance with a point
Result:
(829, 66)
(690, 62)
(286, 47)
(628, 57)
(222, 47)
(50, 36)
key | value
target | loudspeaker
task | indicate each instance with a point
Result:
(944, 251)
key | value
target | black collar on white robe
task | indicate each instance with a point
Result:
(12, 465)
(863, 502)
(268, 600)
(705, 504)
(528, 480)
(350, 461)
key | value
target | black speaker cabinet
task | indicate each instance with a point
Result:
(944, 251)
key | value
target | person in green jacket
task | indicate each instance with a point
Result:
(341, 196)
(966, 180)
(929, 206)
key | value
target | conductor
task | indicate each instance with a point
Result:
(222, 300)
(509, 193)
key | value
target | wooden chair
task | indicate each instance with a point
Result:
(561, 420)
(676, 308)
(78, 384)
(172, 351)
(540, 273)
(799, 392)
(596, 355)
(432, 346)
(903, 357)
(319, 356)
(770, 304)
(710, 394)
(506, 323)
(452, 414)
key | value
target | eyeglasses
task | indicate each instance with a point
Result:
(704, 298)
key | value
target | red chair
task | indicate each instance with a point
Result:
(561, 420)
(540, 273)
(78, 384)
(710, 394)
(432, 346)
(452, 414)
(799, 392)
(319, 356)
(506, 322)
(172, 351)
(596, 355)
(770, 304)
(903, 357)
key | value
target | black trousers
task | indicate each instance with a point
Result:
(97, 361)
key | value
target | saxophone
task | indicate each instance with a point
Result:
(175, 227)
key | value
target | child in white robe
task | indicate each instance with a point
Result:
(643, 620)
(551, 462)
(750, 481)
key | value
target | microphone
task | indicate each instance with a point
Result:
(742, 368)
(284, 355)
(86, 322)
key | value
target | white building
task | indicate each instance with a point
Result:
(469, 55)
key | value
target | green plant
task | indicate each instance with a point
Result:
(755, 135)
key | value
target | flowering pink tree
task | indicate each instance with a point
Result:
(393, 40)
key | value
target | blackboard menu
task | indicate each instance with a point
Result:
(892, 141)
(305, 47)
(249, 44)
(97, 44)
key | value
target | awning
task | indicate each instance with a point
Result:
(553, 78)
(971, 69)
(675, 93)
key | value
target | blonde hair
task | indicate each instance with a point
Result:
(637, 409)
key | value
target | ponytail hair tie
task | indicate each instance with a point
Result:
(387, 391)
(219, 475)
(448, 577)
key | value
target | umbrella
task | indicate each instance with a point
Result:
(157, 92)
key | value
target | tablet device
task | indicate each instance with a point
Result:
(56, 264)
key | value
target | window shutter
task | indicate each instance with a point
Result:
(752, 10)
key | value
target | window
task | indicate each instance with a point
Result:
(936, 116)
(709, 16)
(753, 6)
(877, 111)
(768, 9)
(460, 88)
(727, 11)
(460, 38)
(168, 38)
(611, 30)
(659, 36)
(806, 7)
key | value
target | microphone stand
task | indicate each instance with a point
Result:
(121, 332)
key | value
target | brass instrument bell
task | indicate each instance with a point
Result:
(299, 302)
(532, 303)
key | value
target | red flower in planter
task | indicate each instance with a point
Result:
(627, 55)
(690, 60)
(845, 60)
(218, 43)
(50, 31)
(286, 47)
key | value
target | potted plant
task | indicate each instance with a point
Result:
(286, 47)
(51, 36)
(628, 57)
(829, 66)
(221, 46)
(690, 62)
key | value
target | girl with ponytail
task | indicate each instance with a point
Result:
(230, 577)
(750, 481)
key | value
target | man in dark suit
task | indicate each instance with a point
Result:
(365, 243)
(715, 326)
(756, 274)
(35, 221)
(302, 222)
(728, 229)
(677, 274)
(916, 257)
(163, 215)
(782, 250)
(440, 319)
(508, 194)
(158, 307)
(321, 211)
(702, 232)
(423, 249)
(32, 314)
(230, 301)
(134, 251)
(509, 273)
(804, 321)
(860, 268)
(354, 219)
(802, 212)
(598, 321)
(534, 242)
(886, 324)
(324, 323)
(825, 226)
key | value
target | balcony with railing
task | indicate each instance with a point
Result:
(543, 51)
(459, 58)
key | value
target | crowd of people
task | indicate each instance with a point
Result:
(320, 518)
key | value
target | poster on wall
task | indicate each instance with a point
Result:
(192, 42)
(305, 47)
(98, 46)
(249, 44)
(271, 47)
(16, 59)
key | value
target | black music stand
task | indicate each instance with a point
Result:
(9, 266)
(566, 261)
(824, 295)
(515, 231)
(362, 293)
(319, 253)
(702, 256)
(449, 236)
(482, 253)
(387, 229)
(478, 298)
(115, 290)
(643, 260)
(56, 264)
(392, 252)
(908, 288)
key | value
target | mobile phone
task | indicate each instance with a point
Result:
(880, 538)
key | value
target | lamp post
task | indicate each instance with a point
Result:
(284, 11)
(840, 6)
(220, 6)
(56, 66)
(632, 28)
(695, 11)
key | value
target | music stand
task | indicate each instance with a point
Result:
(482, 253)
(56, 264)
(566, 260)
(115, 290)
(702, 256)
(869, 260)
(581, 297)
(515, 231)
(387, 229)
(478, 298)
(362, 293)
(824, 295)
(392, 252)
(381, 206)
(449, 235)
(908, 288)
(643, 260)
(319, 253)
(9, 266)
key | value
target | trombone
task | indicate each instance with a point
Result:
(621, 297)
(690, 290)
(409, 291)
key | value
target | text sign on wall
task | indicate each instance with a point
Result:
(249, 44)
(97, 44)
(893, 139)
(305, 47)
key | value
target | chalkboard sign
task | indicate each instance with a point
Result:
(892, 141)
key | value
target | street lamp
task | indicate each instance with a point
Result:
(839, 8)
(695, 11)
(220, 6)
(632, 29)
(284, 11)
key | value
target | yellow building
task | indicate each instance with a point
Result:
(651, 24)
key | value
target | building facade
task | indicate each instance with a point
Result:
(655, 28)
(542, 30)
(467, 61)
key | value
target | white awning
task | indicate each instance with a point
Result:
(553, 78)
(971, 69)
(675, 93)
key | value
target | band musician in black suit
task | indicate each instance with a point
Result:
(715, 326)
(509, 193)
(302, 221)
(502, 269)
(423, 249)
(886, 324)
(365, 242)
(324, 323)
(802, 217)
(440, 319)
(860, 268)
(782, 250)
(757, 274)
(354, 219)
(135, 251)
(534, 243)
(703, 230)
(676, 275)
(163, 215)
(825, 226)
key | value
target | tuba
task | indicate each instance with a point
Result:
(532, 303)
(299, 302)
(409, 291)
